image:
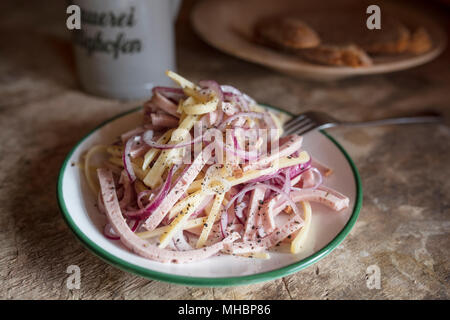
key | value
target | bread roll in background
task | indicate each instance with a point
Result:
(285, 33)
(348, 55)
(340, 38)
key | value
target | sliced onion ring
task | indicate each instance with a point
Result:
(127, 159)
(224, 223)
(147, 211)
(175, 94)
(256, 115)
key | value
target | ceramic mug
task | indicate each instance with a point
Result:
(124, 46)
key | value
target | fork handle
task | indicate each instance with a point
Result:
(435, 118)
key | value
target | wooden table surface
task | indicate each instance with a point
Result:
(403, 228)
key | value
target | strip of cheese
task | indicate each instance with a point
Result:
(282, 163)
(211, 219)
(115, 151)
(177, 223)
(195, 93)
(300, 238)
(182, 82)
(194, 186)
(93, 184)
(183, 129)
(183, 203)
(193, 107)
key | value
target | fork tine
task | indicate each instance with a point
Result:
(307, 128)
(293, 121)
(297, 126)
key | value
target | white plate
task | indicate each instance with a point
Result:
(327, 231)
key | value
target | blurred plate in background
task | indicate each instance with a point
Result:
(228, 26)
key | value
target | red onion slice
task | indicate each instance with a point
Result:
(256, 115)
(264, 178)
(126, 158)
(230, 90)
(224, 223)
(214, 87)
(247, 155)
(147, 211)
(287, 182)
(108, 230)
(132, 133)
(318, 181)
(237, 100)
(240, 194)
(285, 195)
(267, 186)
(180, 242)
(142, 195)
(299, 168)
(175, 94)
(243, 154)
(135, 225)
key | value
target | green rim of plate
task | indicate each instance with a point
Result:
(199, 281)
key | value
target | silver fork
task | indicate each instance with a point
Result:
(314, 120)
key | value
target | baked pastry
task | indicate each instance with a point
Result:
(349, 27)
(348, 55)
(392, 38)
(340, 39)
(286, 33)
(420, 41)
